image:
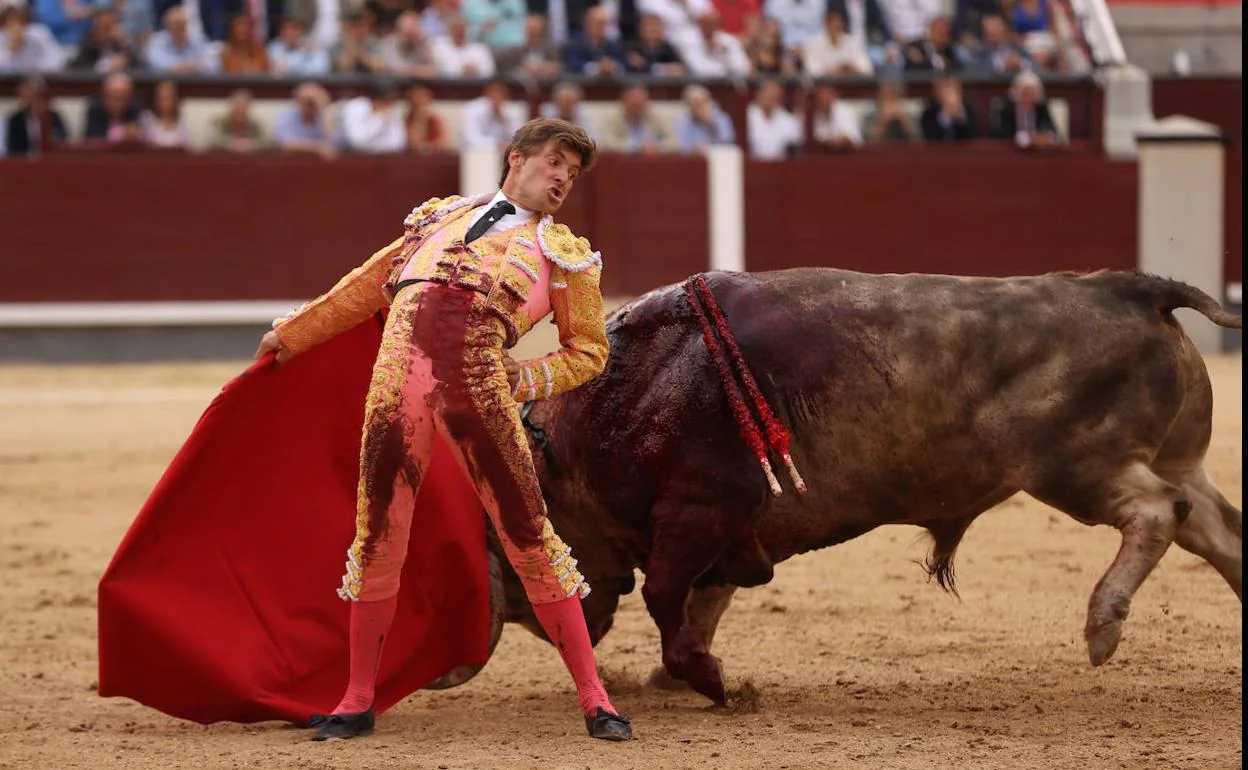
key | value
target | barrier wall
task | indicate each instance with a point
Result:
(1219, 101)
(176, 227)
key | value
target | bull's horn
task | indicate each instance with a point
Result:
(460, 674)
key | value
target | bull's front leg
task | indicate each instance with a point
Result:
(686, 542)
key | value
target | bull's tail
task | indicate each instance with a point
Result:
(1169, 294)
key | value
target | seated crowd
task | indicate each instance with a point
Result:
(390, 119)
(529, 38)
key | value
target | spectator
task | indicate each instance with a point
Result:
(947, 118)
(834, 52)
(357, 50)
(936, 51)
(321, 19)
(67, 20)
(34, 126)
(237, 131)
(867, 23)
(536, 57)
(163, 125)
(592, 53)
(104, 49)
(1026, 119)
(566, 103)
(969, 16)
(651, 54)
(800, 20)
(386, 13)
(242, 52)
(834, 124)
(767, 53)
(740, 17)
(26, 47)
(407, 52)
(774, 133)
(436, 18)
(889, 121)
(488, 121)
(304, 125)
(635, 128)
(995, 53)
(704, 124)
(715, 53)
(174, 50)
(425, 129)
(113, 115)
(137, 19)
(295, 53)
(456, 57)
(374, 123)
(497, 23)
(680, 20)
(1032, 22)
(909, 20)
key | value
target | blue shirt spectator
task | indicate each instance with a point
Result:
(294, 53)
(302, 125)
(497, 23)
(174, 50)
(592, 53)
(68, 20)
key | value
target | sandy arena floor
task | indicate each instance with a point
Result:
(856, 660)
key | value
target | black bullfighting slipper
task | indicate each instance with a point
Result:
(609, 727)
(339, 727)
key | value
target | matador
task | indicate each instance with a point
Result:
(466, 280)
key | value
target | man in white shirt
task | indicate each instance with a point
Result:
(908, 19)
(374, 123)
(773, 130)
(835, 126)
(455, 57)
(799, 20)
(834, 52)
(680, 19)
(714, 53)
(489, 121)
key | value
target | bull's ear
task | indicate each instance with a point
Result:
(461, 674)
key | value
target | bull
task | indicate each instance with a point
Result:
(910, 399)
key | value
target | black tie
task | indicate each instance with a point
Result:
(496, 212)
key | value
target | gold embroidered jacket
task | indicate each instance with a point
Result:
(506, 267)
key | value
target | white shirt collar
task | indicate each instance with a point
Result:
(520, 210)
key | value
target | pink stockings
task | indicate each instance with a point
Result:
(563, 621)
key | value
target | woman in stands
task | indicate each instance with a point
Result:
(163, 125)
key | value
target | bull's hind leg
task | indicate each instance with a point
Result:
(1214, 530)
(686, 542)
(1147, 510)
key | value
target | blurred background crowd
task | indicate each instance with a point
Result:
(403, 47)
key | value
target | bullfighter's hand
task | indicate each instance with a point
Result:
(270, 342)
(513, 371)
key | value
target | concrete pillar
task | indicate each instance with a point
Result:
(725, 179)
(1128, 108)
(479, 171)
(1180, 213)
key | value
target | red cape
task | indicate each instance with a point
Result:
(220, 604)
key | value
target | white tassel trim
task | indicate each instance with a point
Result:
(525, 242)
(528, 376)
(550, 379)
(558, 284)
(553, 256)
(520, 263)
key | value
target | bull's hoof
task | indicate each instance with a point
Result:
(661, 679)
(701, 670)
(1103, 641)
(606, 726)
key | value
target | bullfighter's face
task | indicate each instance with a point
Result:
(542, 181)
